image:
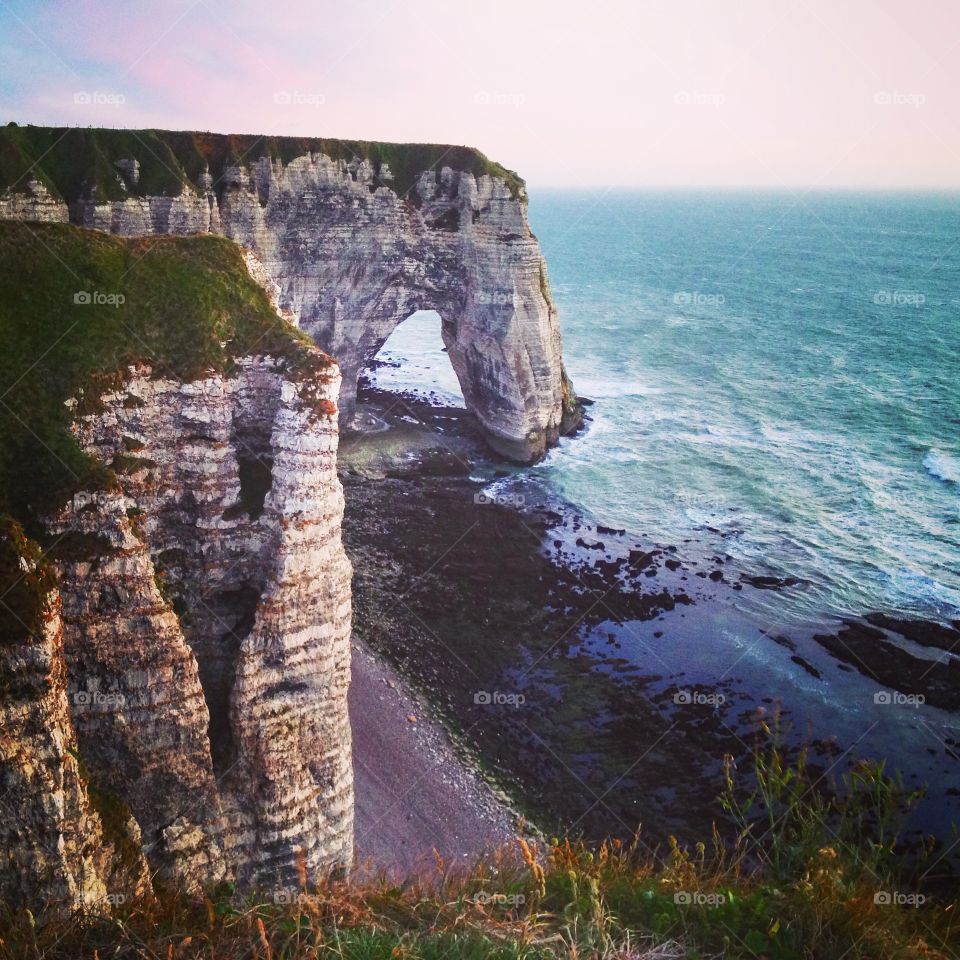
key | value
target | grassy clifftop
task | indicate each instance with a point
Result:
(78, 306)
(71, 161)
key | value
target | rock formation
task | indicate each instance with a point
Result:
(226, 709)
(174, 664)
(57, 848)
(356, 243)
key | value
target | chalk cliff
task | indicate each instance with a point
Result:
(180, 646)
(357, 236)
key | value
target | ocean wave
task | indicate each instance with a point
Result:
(942, 466)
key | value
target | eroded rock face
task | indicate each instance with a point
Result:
(57, 849)
(198, 661)
(352, 260)
(32, 202)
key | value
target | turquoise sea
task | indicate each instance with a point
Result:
(775, 375)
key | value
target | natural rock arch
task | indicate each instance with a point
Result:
(464, 250)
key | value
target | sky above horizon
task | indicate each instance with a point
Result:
(802, 94)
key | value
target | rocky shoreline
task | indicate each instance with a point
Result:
(573, 660)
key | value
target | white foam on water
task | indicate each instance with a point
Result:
(942, 466)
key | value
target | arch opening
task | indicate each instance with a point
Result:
(413, 362)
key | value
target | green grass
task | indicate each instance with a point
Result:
(184, 305)
(804, 891)
(72, 160)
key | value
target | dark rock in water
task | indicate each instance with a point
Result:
(609, 531)
(769, 583)
(716, 576)
(809, 667)
(868, 650)
(924, 632)
(596, 545)
(672, 564)
(500, 474)
(639, 559)
(585, 401)
(785, 642)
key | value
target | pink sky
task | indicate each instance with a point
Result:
(798, 93)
